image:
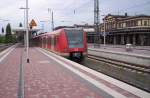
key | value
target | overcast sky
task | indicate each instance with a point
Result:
(64, 10)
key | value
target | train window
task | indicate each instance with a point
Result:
(55, 41)
(75, 38)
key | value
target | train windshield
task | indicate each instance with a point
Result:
(75, 38)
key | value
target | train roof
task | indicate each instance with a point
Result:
(73, 29)
(58, 31)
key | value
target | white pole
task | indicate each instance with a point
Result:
(52, 21)
(24, 25)
(104, 33)
(24, 28)
(24, 18)
(27, 31)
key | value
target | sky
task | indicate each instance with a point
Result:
(67, 12)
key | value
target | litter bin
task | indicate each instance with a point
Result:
(129, 47)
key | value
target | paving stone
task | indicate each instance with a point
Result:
(51, 80)
(9, 74)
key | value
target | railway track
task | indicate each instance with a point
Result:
(133, 67)
(135, 75)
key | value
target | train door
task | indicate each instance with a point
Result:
(57, 43)
(52, 42)
(49, 42)
(42, 42)
(46, 41)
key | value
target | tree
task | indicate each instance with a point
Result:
(8, 36)
(2, 30)
(20, 24)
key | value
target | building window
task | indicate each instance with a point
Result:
(114, 25)
(119, 25)
(136, 23)
(128, 23)
(145, 23)
(124, 25)
(139, 22)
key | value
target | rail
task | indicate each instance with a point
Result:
(147, 48)
(137, 68)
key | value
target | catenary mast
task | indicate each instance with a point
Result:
(96, 21)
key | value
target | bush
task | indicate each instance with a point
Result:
(2, 39)
(11, 39)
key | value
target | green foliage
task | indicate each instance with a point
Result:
(8, 29)
(14, 40)
(9, 38)
(2, 39)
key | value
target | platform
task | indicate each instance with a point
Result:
(136, 50)
(51, 76)
(138, 55)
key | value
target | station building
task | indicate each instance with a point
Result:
(20, 33)
(120, 30)
(124, 29)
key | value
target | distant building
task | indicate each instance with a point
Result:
(20, 33)
(123, 29)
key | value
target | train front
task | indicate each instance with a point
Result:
(77, 45)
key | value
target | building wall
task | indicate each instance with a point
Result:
(126, 29)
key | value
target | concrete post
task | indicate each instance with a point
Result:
(128, 39)
(141, 40)
(114, 39)
(122, 39)
(134, 39)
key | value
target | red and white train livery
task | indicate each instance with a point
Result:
(67, 42)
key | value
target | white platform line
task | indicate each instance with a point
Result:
(5, 55)
(3, 52)
(122, 85)
(87, 78)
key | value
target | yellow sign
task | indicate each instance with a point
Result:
(32, 23)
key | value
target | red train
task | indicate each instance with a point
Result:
(67, 42)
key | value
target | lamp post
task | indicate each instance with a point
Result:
(4, 20)
(27, 32)
(23, 8)
(65, 21)
(104, 30)
(52, 18)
